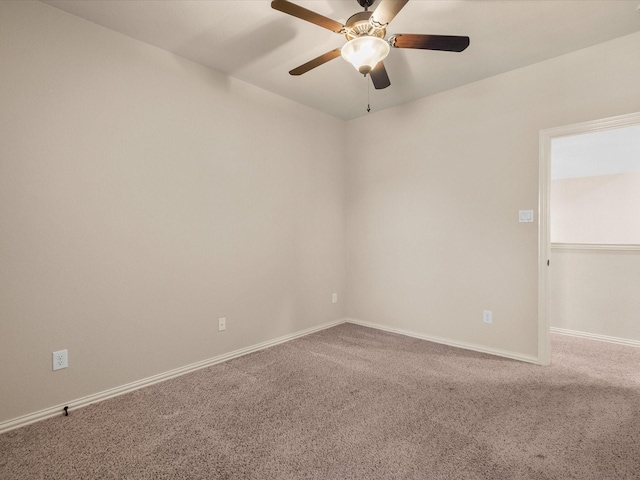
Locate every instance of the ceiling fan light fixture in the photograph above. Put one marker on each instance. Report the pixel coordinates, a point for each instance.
(365, 52)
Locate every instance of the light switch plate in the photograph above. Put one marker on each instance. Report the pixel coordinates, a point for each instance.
(526, 216)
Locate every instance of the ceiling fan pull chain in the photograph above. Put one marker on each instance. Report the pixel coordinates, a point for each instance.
(368, 94)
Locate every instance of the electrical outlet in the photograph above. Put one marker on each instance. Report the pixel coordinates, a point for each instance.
(60, 359)
(334, 298)
(487, 316)
(222, 324)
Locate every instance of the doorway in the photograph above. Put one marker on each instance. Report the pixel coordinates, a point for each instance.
(579, 232)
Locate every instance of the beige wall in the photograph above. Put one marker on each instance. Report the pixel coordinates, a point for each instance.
(433, 196)
(143, 196)
(600, 209)
(596, 292)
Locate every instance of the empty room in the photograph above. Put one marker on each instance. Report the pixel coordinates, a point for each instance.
(318, 239)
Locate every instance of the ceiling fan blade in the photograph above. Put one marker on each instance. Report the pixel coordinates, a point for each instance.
(386, 11)
(316, 62)
(304, 14)
(379, 77)
(448, 43)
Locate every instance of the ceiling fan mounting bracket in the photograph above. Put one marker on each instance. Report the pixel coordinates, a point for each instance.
(375, 24)
(365, 3)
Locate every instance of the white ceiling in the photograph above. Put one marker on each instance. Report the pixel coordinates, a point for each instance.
(248, 40)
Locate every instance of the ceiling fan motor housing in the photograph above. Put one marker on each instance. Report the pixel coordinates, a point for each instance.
(359, 25)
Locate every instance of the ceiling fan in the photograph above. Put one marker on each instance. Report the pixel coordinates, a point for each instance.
(365, 31)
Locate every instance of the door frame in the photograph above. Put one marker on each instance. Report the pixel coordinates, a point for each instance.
(544, 215)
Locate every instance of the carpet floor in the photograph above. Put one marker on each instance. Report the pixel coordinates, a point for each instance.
(356, 403)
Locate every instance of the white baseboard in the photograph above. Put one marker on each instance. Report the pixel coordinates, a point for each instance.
(451, 343)
(595, 336)
(130, 387)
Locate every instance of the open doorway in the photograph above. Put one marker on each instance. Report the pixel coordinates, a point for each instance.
(589, 232)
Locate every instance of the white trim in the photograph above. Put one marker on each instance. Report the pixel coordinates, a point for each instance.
(595, 246)
(145, 382)
(609, 123)
(130, 387)
(544, 250)
(596, 336)
(446, 341)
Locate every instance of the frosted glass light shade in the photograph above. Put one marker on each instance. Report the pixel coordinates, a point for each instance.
(364, 53)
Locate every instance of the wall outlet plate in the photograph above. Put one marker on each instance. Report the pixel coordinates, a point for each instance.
(222, 324)
(487, 316)
(334, 298)
(60, 359)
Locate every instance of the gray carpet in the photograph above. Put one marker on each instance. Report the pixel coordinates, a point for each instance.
(356, 403)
